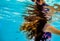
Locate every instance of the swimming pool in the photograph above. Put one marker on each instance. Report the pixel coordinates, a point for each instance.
(11, 12)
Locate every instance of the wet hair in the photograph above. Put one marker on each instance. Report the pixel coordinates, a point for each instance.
(41, 23)
(38, 0)
(36, 29)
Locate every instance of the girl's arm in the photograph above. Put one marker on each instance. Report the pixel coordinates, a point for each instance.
(52, 30)
(52, 9)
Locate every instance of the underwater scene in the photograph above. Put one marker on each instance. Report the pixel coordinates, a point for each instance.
(11, 18)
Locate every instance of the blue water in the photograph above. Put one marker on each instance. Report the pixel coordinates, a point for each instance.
(11, 12)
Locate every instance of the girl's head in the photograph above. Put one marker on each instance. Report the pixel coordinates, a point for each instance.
(39, 1)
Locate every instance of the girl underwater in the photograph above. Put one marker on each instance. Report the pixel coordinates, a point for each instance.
(36, 24)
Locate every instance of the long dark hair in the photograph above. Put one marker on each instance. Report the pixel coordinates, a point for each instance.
(42, 22)
(35, 30)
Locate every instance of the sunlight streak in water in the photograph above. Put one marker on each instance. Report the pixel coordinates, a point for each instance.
(21, 0)
(16, 13)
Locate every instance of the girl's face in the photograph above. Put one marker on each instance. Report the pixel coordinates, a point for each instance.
(41, 1)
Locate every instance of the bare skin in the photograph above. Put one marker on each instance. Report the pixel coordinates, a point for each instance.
(52, 30)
